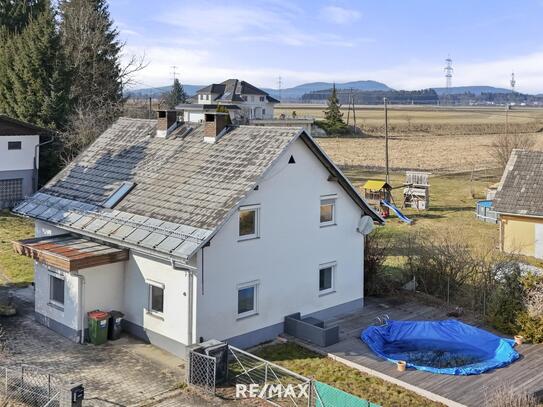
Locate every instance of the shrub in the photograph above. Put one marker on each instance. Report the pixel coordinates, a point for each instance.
(506, 302)
(506, 396)
(376, 280)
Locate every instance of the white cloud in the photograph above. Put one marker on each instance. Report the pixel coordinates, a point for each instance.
(340, 15)
(273, 21)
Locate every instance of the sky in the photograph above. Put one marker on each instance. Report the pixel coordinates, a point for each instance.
(402, 43)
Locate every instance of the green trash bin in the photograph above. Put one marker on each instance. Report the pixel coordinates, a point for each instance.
(98, 322)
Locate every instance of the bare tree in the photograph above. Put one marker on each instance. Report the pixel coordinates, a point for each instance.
(504, 144)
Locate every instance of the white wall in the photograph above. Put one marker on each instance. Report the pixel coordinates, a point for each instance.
(69, 315)
(285, 259)
(103, 288)
(22, 159)
(174, 323)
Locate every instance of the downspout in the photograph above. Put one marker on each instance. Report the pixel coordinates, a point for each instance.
(190, 299)
(35, 167)
(81, 307)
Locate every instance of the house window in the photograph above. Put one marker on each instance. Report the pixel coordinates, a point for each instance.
(14, 145)
(56, 289)
(263, 112)
(247, 299)
(249, 222)
(326, 278)
(156, 298)
(244, 97)
(328, 210)
(262, 98)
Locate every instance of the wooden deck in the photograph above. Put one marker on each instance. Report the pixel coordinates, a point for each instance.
(524, 374)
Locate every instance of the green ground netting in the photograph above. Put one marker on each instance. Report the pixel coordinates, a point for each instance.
(329, 396)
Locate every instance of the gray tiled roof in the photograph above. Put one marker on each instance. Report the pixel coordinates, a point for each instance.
(521, 187)
(231, 90)
(184, 188)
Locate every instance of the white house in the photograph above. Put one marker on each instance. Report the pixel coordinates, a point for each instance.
(243, 100)
(19, 160)
(197, 232)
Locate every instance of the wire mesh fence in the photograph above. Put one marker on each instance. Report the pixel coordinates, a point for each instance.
(29, 386)
(255, 377)
(202, 371)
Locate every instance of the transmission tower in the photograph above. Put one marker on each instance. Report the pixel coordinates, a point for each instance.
(513, 82)
(448, 73)
(279, 84)
(174, 71)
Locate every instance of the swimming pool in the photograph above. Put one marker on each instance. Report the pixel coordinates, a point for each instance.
(444, 347)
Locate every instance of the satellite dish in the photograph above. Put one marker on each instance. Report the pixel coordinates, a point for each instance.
(365, 225)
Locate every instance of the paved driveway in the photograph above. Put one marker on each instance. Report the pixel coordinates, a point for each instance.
(125, 372)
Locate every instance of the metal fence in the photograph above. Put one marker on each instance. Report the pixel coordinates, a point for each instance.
(249, 376)
(202, 371)
(272, 383)
(29, 386)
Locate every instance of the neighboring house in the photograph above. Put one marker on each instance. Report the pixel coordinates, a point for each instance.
(519, 204)
(243, 100)
(19, 160)
(197, 232)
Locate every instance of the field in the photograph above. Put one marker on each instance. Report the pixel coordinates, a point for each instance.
(436, 139)
(14, 269)
(452, 206)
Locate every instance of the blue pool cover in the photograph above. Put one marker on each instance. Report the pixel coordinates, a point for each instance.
(445, 347)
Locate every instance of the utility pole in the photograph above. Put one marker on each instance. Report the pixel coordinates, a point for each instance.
(506, 121)
(150, 106)
(385, 101)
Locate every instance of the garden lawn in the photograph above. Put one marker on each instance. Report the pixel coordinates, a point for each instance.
(326, 370)
(14, 268)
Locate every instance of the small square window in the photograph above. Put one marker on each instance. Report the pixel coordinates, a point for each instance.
(248, 222)
(247, 299)
(156, 298)
(14, 145)
(328, 211)
(56, 290)
(262, 98)
(326, 278)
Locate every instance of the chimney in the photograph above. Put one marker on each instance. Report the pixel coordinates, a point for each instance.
(215, 125)
(166, 122)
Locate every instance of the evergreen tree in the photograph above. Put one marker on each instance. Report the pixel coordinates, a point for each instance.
(333, 114)
(33, 80)
(333, 122)
(92, 48)
(16, 14)
(176, 96)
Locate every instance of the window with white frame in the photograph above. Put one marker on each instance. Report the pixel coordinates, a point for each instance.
(247, 299)
(249, 222)
(327, 278)
(328, 210)
(156, 297)
(56, 289)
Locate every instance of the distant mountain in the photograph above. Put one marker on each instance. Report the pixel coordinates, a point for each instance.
(297, 91)
(157, 92)
(477, 90)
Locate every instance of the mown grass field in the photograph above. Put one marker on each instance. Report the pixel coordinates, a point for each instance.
(452, 206)
(14, 269)
(321, 368)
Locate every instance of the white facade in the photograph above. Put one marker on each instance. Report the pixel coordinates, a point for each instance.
(282, 261)
(18, 159)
